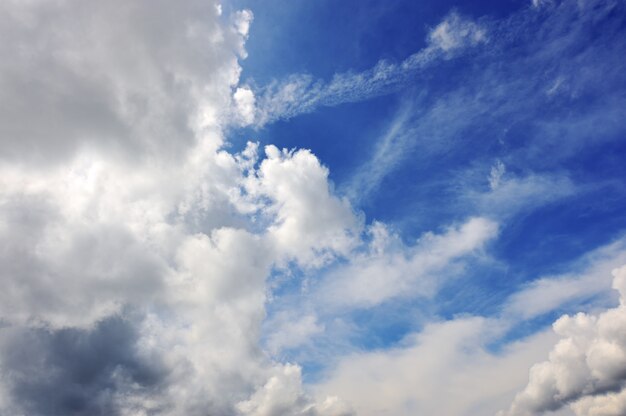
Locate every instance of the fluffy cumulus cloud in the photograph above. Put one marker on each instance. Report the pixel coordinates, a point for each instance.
(67, 83)
(311, 224)
(586, 368)
(134, 249)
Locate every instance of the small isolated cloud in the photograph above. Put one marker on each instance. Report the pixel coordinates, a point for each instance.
(586, 368)
(456, 32)
(496, 174)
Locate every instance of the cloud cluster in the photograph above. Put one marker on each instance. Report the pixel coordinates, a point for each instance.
(134, 249)
(586, 368)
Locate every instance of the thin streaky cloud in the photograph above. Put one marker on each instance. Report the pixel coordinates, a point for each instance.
(302, 93)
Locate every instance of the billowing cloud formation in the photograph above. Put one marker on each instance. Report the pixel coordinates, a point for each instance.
(134, 250)
(134, 79)
(586, 368)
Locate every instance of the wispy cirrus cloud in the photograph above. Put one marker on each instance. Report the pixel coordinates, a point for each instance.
(302, 93)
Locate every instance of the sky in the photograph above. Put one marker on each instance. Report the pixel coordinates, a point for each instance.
(313, 208)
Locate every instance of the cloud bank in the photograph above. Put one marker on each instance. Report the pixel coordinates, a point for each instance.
(134, 249)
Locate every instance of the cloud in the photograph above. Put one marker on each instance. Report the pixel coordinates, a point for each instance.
(445, 360)
(67, 84)
(490, 106)
(511, 194)
(550, 293)
(312, 225)
(456, 32)
(134, 249)
(390, 270)
(608, 404)
(588, 362)
(280, 396)
(244, 103)
(301, 93)
(496, 174)
(289, 332)
(386, 156)
(78, 371)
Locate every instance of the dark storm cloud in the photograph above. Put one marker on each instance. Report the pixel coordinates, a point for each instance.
(75, 371)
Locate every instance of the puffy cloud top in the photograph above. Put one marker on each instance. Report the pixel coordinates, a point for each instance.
(586, 368)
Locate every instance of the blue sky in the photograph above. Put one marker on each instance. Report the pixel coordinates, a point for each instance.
(314, 208)
(543, 97)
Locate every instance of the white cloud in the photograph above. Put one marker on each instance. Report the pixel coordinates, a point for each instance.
(301, 93)
(510, 194)
(244, 102)
(539, 3)
(496, 174)
(608, 404)
(388, 152)
(134, 249)
(66, 84)
(444, 370)
(391, 271)
(281, 396)
(242, 20)
(312, 225)
(289, 332)
(456, 32)
(585, 367)
(550, 293)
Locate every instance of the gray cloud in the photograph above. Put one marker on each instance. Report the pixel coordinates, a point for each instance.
(121, 77)
(77, 371)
